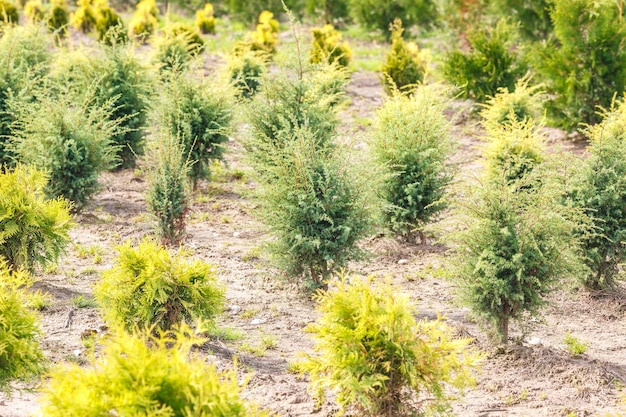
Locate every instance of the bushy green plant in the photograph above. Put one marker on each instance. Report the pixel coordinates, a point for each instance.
(332, 10)
(84, 17)
(517, 240)
(167, 195)
(329, 47)
(57, 17)
(144, 20)
(532, 16)
(378, 359)
(148, 287)
(412, 142)
(574, 346)
(110, 26)
(246, 71)
(199, 112)
(513, 151)
(146, 376)
(8, 12)
(24, 61)
(584, 66)
(33, 229)
(379, 14)
(507, 107)
(70, 138)
(172, 55)
(33, 10)
(405, 65)
(205, 21)
(313, 203)
(601, 188)
(265, 37)
(20, 354)
(249, 10)
(188, 33)
(491, 64)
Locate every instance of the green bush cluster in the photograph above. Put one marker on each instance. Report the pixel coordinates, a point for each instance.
(491, 64)
(508, 107)
(411, 142)
(246, 71)
(58, 17)
(21, 357)
(405, 65)
(377, 359)
(147, 376)
(110, 26)
(379, 14)
(205, 21)
(84, 17)
(167, 195)
(149, 288)
(145, 20)
(532, 17)
(332, 10)
(33, 229)
(329, 47)
(8, 13)
(601, 189)
(177, 47)
(265, 37)
(583, 66)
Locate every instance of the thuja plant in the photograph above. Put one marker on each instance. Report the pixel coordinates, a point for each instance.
(150, 288)
(34, 12)
(33, 229)
(205, 21)
(24, 62)
(507, 107)
(57, 18)
(379, 14)
(8, 13)
(583, 66)
(70, 138)
(21, 357)
(146, 375)
(516, 241)
(411, 142)
(533, 17)
(110, 26)
(314, 203)
(601, 189)
(246, 71)
(176, 47)
(329, 47)
(332, 10)
(378, 360)
(265, 37)
(145, 20)
(167, 190)
(492, 62)
(199, 112)
(84, 17)
(405, 65)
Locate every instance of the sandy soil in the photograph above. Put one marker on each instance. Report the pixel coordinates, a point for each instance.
(534, 376)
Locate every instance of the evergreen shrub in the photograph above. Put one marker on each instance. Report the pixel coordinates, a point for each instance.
(508, 107)
(57, 18)
(21, 357)
(246, 71)
(411, 141)
(532, 16)
(205, 21)
(33, 10)
(329, 47)
(492, 62)
(84, 17)
(585, 64)
(331, 10)
(265, 37)
(379, 14)
(146, 375)
(144, 21)
(8, 12)
(110, 26)
(405, 65)
(33, 229)
(149, 288)
(378, 360)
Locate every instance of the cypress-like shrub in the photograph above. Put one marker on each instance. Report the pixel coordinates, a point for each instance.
(8, 13)
(205, 21)
(57, 18)
(246, 71)
(148, 288)
(110, 26)
(33, 10)
(84, 17)
(144, 21)
(331, 10)
(532, 17)
(379, 14)
(329, 47)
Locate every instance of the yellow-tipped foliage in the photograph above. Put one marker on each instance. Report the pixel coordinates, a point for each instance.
(144, 20)
(84, 18)
(205, 21)
(329, 47)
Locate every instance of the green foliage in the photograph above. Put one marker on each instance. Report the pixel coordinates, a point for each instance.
(33, 229)
(601, 188)
(246, 71)
(84, 17)
(146, 376)
(57, 18)
(167, 191)
(328, 47)
(405, 65)
(147, 287)
(144, 20)
(265, 37)
(513, 151)
(33, 10)
(411, 141)
(205, 21)
(70, 138)
(584, 66)
(332, 10)
(574, 346)
(110, 26)
(379, 14)
(532, 16)
(8, 13)
(24, 61)
(492, 63)
(524, 103)
(248, 10)
(313, 202)
(517, 240)
(377, 359)
(188, 33)
(20, 354)
(199, 112)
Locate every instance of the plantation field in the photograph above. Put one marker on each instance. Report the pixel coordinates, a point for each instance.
(536, 376)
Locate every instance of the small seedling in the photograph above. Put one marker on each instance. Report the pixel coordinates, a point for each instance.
(226, 334)
(249, 313)
(574, 346)
(80, 301)
(269, 342)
